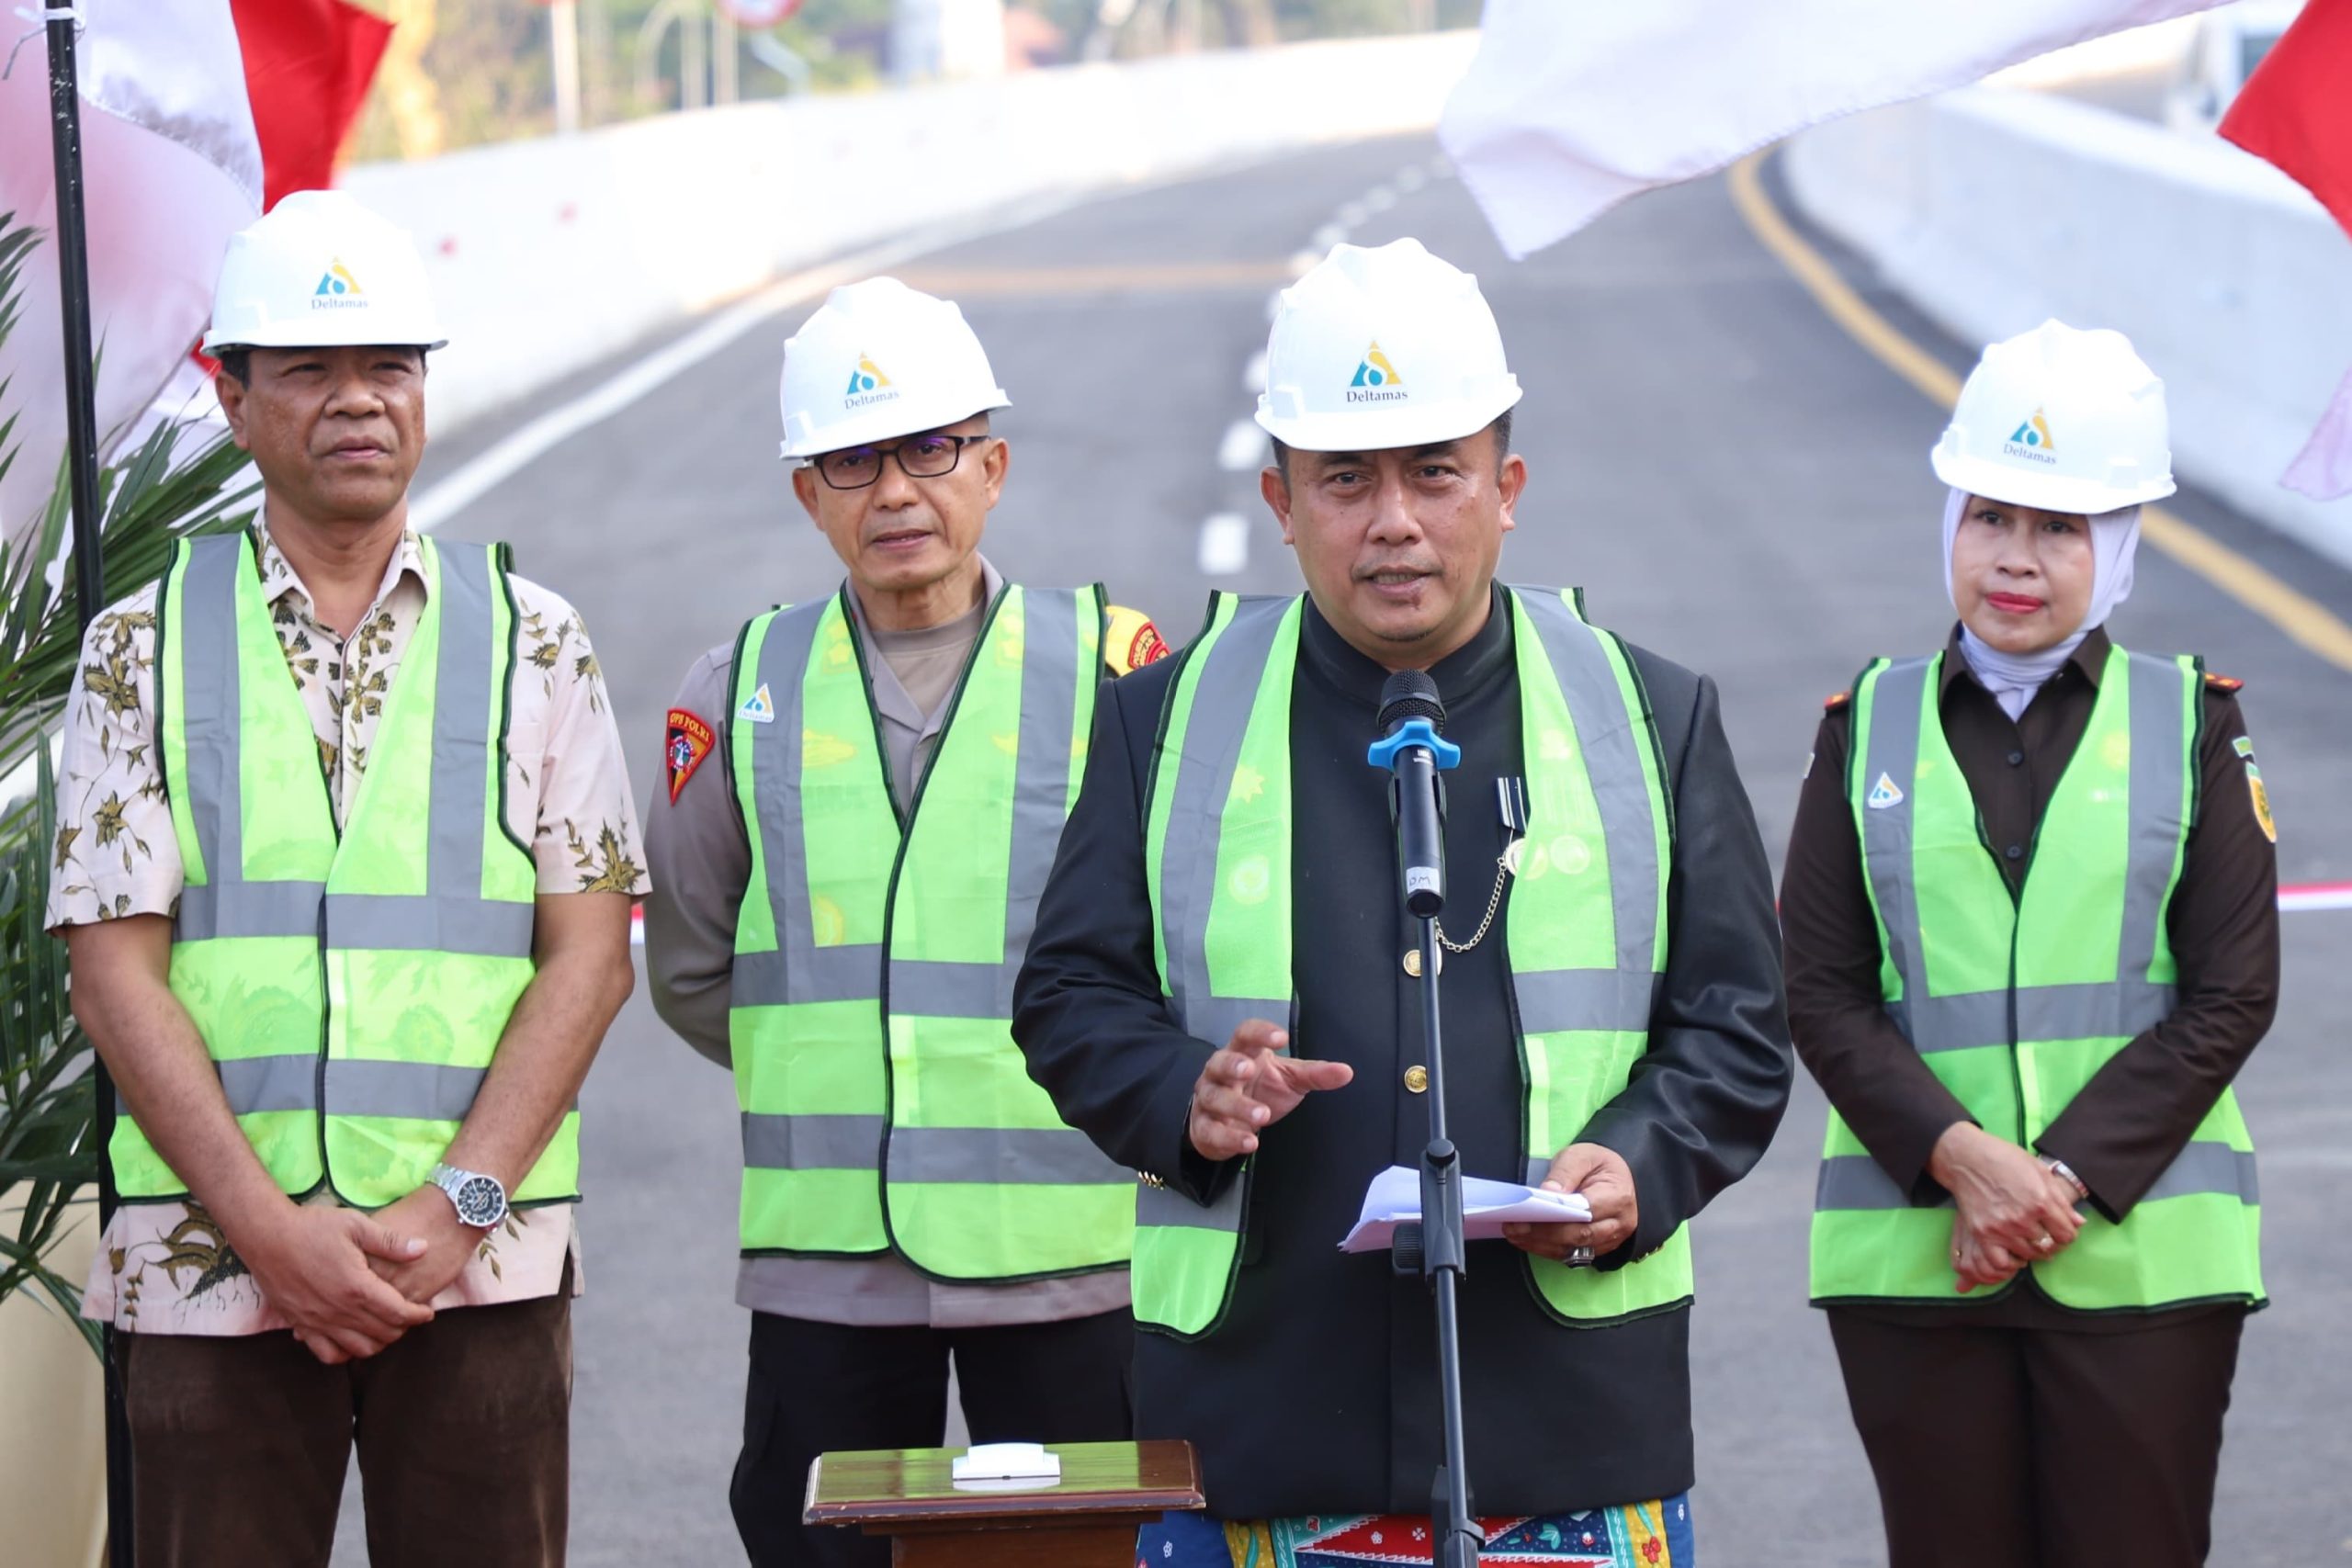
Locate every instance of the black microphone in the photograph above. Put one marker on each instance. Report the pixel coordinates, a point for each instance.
(1413, 748)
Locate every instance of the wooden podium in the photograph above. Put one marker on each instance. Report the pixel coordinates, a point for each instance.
(1087, 1519)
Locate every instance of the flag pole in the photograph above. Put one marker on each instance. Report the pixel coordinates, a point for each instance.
(89, 590)
(73, 292)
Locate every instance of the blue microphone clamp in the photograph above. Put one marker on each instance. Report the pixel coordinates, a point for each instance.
(1414, 732)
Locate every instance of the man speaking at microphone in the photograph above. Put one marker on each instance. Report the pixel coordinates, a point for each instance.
(1222, 988)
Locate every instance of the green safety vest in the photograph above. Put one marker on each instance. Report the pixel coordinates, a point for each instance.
(885, 1105)
(1586, 926)
(351, 988)
(2016, 1000)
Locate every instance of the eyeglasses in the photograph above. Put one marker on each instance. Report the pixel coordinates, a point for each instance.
(918, 457)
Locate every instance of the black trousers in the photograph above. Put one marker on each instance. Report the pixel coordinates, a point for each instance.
(819, 1387)
(2034, 1447)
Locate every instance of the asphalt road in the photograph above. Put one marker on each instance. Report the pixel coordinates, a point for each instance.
(1738, 486)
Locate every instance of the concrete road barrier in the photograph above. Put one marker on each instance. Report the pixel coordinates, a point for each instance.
(1994, 208)
(548, 255)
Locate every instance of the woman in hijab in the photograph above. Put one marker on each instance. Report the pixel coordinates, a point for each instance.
(2032, 930)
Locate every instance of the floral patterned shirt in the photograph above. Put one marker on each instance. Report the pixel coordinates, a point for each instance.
(164, 1267)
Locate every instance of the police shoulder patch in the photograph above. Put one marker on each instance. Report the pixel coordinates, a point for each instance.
(686, 740)
(1130, 641)
(2261, 796)
(2224, 682)
(2243, 746)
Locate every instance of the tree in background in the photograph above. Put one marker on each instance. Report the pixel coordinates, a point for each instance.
(1104, 30)
(459, 73)
(844, 41)
(405, 107)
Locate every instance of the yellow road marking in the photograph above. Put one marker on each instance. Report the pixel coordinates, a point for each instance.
(2303, 619)
(1143, 278)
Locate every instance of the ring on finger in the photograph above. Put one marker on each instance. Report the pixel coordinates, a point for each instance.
(1578, 1258)
(2043, 1244)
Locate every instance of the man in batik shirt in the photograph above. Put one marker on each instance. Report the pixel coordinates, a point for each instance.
(344, 858)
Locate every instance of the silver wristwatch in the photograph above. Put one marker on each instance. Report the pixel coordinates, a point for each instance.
(480, 1200)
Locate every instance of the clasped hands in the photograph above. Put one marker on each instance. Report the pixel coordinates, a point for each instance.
(348, 1282)
(1249, 1084)
(2011, 1209)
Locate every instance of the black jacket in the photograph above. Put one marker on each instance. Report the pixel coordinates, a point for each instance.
(1318, 1392)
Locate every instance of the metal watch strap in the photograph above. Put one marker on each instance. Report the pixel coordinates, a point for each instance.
(452, 1179)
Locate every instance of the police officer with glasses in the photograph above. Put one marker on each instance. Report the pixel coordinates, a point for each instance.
(849, 891)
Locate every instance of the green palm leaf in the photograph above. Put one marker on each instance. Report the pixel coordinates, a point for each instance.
(171, 485)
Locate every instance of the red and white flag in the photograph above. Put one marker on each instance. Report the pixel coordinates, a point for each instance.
(172, 164)
(308, 63)
(1573, 106)
(2296, 112)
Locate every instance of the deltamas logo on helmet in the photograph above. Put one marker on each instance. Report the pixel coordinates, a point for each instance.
(868, 385)
(1377, 380)
(337, 289)
(2032, 440)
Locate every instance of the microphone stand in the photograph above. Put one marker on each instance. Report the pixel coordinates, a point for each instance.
(1435, 1247)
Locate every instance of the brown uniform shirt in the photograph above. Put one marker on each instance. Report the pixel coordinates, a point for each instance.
(2137, 1113)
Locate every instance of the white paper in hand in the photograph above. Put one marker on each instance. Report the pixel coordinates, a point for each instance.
(1395, 1197)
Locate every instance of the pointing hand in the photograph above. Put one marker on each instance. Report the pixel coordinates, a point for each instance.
(1248, 1086)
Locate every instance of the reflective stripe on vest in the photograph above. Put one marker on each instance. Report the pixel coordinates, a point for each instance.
(2015, 1002)
(1586, 922)
(884, 1104)
(351, 988)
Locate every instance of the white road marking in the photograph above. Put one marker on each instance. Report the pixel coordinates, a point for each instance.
(1243, 450)
(1351, 214)
(1303, 262)
(1253, 375)
(1330, 234)
(1379, 199)
(472, 480)
(1410, 178)
(1225, 544)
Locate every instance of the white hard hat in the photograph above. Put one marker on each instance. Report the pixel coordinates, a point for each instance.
(2061, 418)
(1383, 347)
(880, 359)
(321, 271)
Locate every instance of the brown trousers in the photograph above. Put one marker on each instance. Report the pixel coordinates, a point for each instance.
(463, 1427)
(2031, 1447)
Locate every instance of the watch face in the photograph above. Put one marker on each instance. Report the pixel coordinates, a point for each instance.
(480, 1201)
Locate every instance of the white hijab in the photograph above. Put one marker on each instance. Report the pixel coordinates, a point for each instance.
(2013, 678)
